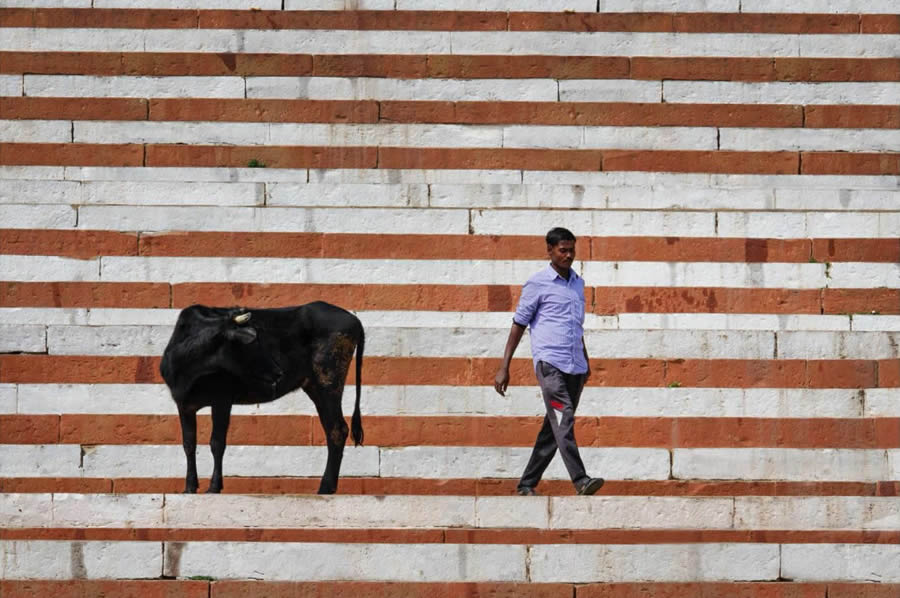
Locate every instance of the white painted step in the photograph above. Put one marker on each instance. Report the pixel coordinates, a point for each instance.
(440, 462)
(61, 510)
(442, 342)
(477, 401)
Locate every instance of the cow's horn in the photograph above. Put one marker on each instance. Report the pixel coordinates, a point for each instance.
(243, 318)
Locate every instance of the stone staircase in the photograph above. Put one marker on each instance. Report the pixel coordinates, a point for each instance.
(729, 166)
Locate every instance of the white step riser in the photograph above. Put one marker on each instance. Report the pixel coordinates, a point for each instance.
(433, 462)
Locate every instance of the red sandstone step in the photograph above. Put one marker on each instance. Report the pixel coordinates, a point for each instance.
(392, 431)
(445, 487)
(713, 161)
(452, 535)
(706, 373)
(443, 297)
(416, 66)
(86, 244)
(413, 111)
(468, 298)
(437, 20)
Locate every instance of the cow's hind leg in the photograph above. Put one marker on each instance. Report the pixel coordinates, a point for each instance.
(188, 417)
(328, 405)
(331, 362)
(221, 417)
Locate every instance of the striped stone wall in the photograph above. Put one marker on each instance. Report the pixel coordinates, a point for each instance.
(732, 171)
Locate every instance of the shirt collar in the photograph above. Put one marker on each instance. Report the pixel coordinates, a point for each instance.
(551, 274)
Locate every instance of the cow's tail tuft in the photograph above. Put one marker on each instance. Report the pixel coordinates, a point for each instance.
(356, 429)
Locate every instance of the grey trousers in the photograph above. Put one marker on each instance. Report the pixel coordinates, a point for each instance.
(561, 394)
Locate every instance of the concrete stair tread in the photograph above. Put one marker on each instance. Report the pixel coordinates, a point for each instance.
(742, 513)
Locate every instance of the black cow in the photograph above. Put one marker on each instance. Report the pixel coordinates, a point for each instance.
(218, 357)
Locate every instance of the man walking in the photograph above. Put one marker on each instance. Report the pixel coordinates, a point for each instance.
(552, 303)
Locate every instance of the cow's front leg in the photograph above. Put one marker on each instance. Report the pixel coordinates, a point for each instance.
(188, 417)
(336, 431)
(221, 416)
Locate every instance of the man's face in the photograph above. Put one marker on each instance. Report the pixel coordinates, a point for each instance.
(562, 255)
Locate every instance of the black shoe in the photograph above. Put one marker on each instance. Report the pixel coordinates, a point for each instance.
(590, 486)
(526, 491)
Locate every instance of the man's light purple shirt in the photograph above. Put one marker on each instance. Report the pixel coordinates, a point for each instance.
(554, 309)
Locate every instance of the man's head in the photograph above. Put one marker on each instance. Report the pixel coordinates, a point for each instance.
(561, 248)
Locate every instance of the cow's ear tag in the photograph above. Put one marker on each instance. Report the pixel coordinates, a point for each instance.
(244, 334)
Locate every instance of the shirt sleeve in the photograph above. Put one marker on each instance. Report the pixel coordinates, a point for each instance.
(528, 304)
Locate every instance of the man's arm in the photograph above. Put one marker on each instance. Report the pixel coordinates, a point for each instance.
(501, 380)
(586, 358)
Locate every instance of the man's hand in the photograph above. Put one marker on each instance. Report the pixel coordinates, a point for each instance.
(587, 360)
(501, 381)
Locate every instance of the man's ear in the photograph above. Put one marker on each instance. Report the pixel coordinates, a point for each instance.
(243, 334)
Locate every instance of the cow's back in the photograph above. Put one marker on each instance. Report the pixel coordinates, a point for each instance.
(289, 336)
(304, 322)
(295, 335)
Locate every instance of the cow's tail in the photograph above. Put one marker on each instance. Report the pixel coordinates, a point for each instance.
(356, 429)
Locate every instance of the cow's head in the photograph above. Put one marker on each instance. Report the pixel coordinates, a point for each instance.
(238, 328)
(244, 355)
(218, 345)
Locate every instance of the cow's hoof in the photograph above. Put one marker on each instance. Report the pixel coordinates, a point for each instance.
(190, 491)
(214, 490)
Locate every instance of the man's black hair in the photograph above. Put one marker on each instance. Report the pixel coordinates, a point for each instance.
(555, 235)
